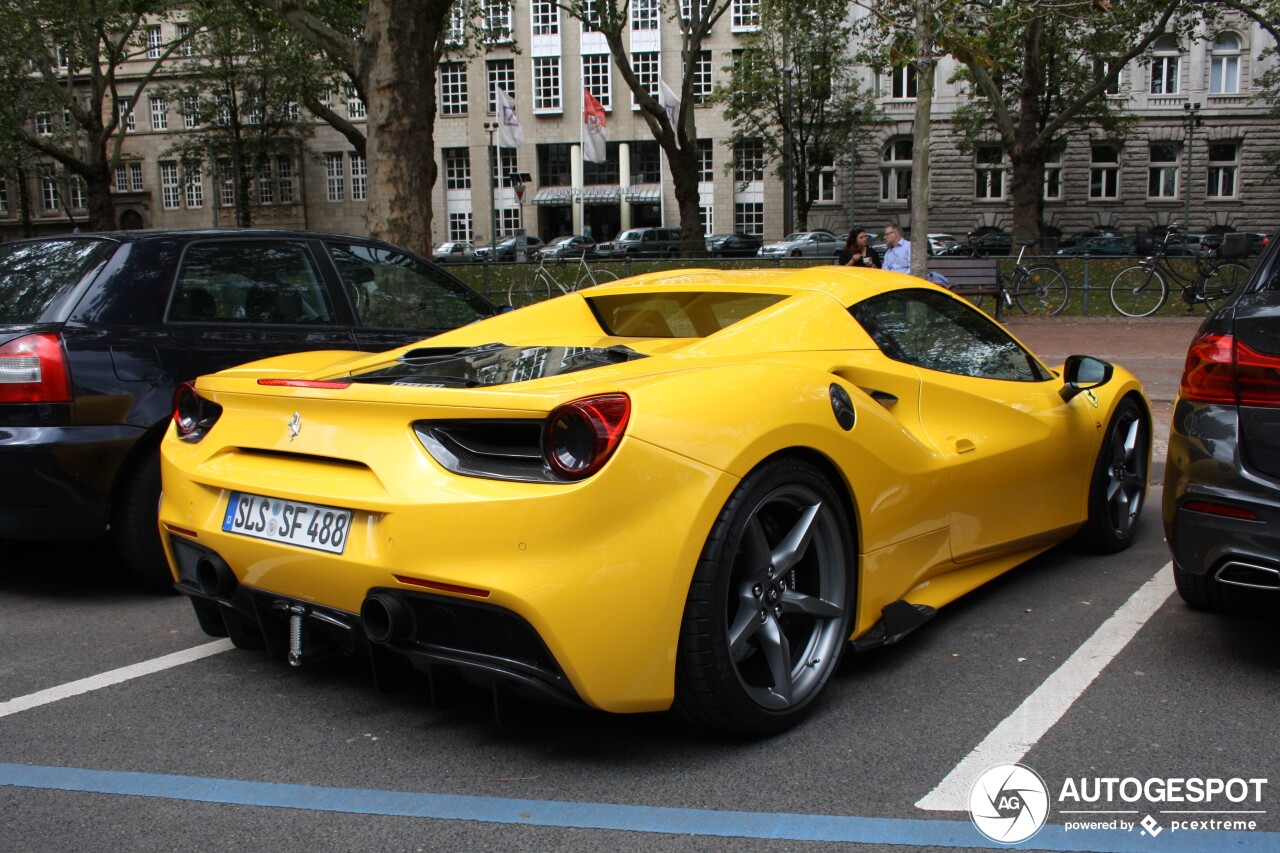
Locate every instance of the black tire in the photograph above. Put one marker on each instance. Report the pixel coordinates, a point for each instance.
(529, 289)
(1201, 592)
(1225, 279)
(1138, 292)
(593, 277)
(1041, 291)
(135, 530)
(777, 573)
(1118, 487)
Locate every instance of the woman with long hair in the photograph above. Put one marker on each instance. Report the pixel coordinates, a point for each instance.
(857, 251)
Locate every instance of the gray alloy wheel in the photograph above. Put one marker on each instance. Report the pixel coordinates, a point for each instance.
(1119, 484)
(770, 607)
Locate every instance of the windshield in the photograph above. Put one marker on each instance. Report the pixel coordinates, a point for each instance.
(34, 275)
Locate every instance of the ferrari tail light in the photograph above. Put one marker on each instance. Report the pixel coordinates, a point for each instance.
(579, 437)
(193, 416)
(1222, 369)
(33, 369)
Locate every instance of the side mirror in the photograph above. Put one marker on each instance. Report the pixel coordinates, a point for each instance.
(1082, 372)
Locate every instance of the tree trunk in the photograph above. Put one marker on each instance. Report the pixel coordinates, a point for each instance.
(920, 140)
(1026, 181)
(398, 70)
(97, 190)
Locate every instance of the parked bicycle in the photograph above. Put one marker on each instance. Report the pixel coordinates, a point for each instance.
(541, 281)
(1143, 289)
(1037, 288)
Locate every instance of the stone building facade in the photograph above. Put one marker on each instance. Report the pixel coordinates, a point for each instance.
(1215, 151)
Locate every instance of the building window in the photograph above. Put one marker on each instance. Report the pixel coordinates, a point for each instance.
(595, 77)
(1162, 174)
(1053, 175)
(44, 124)
(1104, 172)
(122, 178)
(188, 47)
(590, 16)
(903, 82)
(895, 171)
(702, 77)
(457, 168)
(746, 16)
(748, 161)
(453, 89)
(504, 165)
(546, 84)
(284, 178)
(359, 177)
(822, 186)
(355, 106)
(497, 20)
(509, 221)
(1166, 59)
(706, 165)
(266, 187)
(644, 14)
(77, 193)
(159, 114)
(706, 217)
(988, 172)
(49, 193)
(554, 169)
(460, 225)
(226, 186)
(154, 43)
(190, 111)
(545, 17)
(129, 177)
(645, 66)
(195, 187)
(499, 74)
(127, 119)
(169, 185)
(646, 162)
(748, 217)
(1224, 65)
(333, 177)
(1224, 163)
(4, 198)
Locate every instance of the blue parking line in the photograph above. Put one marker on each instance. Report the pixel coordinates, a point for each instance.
(607, 816)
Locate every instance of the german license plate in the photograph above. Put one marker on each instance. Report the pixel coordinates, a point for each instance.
(323, 528)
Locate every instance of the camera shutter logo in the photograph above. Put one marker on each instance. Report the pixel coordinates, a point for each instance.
(1009, 803)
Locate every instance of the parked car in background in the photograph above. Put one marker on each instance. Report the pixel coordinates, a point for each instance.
(1102, 246)
(643, 243)
(736, 245)
(570, 246)
(990, 241)
(454, 252)
(97, 330)
(940, 244)
(507, 249)
(1221, 504)
(1081, 236)
(804, 244)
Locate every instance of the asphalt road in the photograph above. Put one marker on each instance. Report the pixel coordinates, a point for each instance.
(1189, 696)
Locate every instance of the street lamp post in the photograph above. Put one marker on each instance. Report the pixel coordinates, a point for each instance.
(491, 127)
(1190, 121)
(854, 118)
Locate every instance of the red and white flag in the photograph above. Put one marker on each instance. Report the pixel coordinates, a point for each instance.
(593, 129)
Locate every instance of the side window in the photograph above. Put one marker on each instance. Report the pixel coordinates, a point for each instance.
(933, 331)
(250, 281)
(392, 290)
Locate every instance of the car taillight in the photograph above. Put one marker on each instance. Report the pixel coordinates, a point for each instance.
(579, 437)
(33, 369)
(193, 416)
(1222, 369)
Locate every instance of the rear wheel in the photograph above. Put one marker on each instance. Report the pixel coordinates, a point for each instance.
(592, 277)
(535, 287)
(1138, 291)
(770, 607)
(1041, 290)
(1119, 484)
(135, 529)
(1222, 281)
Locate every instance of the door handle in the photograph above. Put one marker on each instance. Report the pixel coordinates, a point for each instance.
(964, 445)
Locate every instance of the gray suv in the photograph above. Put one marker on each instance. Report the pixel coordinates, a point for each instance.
(644, 243)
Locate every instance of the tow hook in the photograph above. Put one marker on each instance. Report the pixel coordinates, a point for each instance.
(296, 612)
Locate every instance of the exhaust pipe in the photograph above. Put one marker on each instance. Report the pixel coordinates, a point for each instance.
(386, 618)
(1249, 575)
(214, 577)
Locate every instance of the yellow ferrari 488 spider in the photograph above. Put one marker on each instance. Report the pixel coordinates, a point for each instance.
(691, 490)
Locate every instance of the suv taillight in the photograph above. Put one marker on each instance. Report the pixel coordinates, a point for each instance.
(33, 369)
(1221, 369)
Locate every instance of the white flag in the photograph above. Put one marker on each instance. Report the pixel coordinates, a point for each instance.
(594, 141)
(670, 103)
(510, 134)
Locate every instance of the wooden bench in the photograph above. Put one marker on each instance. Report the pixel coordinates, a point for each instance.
(972, 277)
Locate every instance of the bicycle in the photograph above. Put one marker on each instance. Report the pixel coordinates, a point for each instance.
(1142, 289)
(1040, 289)
(537, 286)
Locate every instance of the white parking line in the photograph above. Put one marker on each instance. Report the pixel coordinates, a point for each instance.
(115, 676)
(1021, 730)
